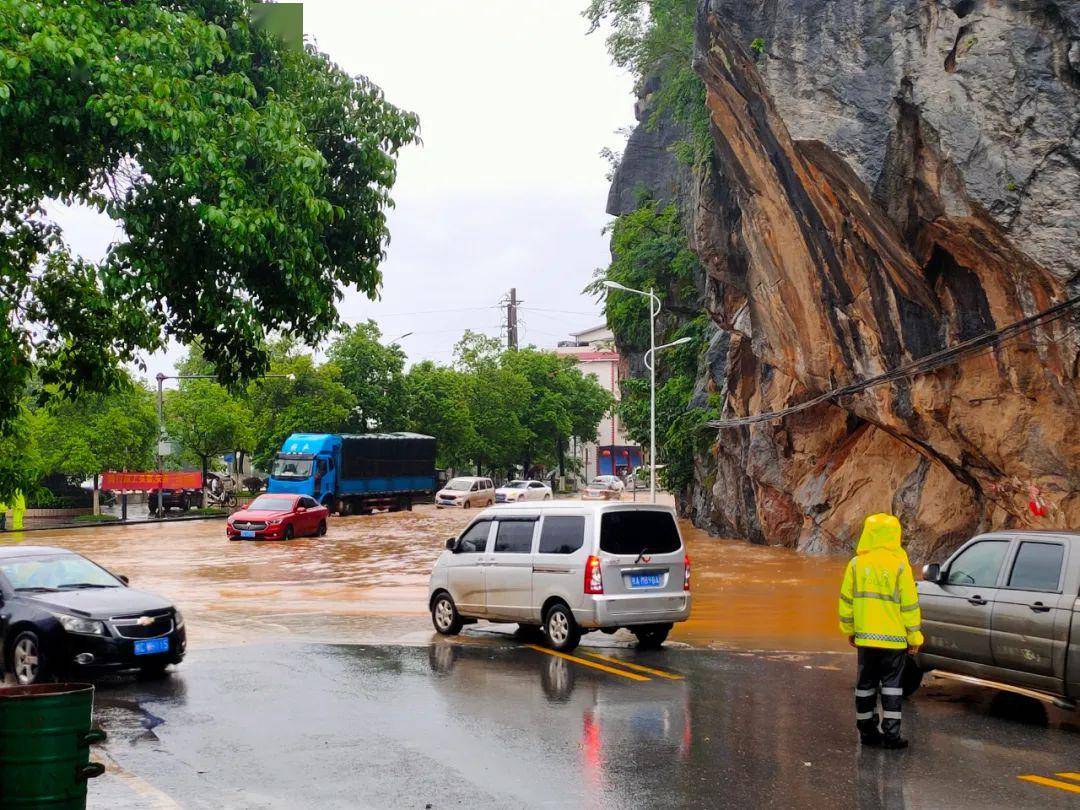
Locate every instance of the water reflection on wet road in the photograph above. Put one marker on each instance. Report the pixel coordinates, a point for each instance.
(366, 581)
(498, 724)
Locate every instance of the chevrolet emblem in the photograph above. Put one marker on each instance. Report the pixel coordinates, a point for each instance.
(145, 621)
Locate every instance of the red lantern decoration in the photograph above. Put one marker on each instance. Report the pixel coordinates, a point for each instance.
(605, 452)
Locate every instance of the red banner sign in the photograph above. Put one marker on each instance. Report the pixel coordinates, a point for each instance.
(151, 480)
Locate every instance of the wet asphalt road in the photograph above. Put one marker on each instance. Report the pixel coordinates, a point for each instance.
(491, 722)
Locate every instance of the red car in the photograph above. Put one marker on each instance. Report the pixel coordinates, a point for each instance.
(278, 517)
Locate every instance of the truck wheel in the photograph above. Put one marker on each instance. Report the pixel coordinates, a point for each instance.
(651, 636)
(346, 508)
(911, 680)
(563, 633)
(444, 615)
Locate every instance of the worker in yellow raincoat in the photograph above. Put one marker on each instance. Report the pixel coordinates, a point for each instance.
(879, 613)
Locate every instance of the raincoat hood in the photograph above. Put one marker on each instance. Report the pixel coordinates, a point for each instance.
(881, 531)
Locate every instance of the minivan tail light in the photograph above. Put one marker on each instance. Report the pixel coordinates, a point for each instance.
(686, 573)
(594, 580)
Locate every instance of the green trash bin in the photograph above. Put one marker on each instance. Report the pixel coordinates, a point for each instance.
(45, 738)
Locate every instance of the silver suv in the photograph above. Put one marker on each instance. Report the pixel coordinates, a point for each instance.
(566, 567)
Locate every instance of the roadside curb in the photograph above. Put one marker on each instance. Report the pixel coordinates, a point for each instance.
(111, 523)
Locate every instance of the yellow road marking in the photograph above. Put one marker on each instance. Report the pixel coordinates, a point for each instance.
(585, 662)
(1053, 783)
(659, 673)
(1074, 776)
(154, 797)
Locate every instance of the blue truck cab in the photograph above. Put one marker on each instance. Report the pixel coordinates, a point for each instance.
(356, 473)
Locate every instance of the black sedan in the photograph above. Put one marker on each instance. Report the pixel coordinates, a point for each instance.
(63, 615)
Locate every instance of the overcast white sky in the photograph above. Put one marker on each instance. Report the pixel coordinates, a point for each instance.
(508, 188)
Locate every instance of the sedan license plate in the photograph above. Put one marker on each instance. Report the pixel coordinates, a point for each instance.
(152, 645)
(247, 535)
(645, 580)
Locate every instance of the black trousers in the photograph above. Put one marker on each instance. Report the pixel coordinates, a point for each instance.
(880, 673)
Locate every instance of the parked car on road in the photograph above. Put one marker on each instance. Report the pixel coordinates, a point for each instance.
(182, 499)
(565, 568)
(278, 517)
(1004, 608)
(62, 615)
(603, 488)
(466, 492)
(514, 491)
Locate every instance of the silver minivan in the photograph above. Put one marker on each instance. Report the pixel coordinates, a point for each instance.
(565, 568)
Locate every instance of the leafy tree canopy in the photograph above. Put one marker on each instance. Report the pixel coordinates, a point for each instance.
(438, 400)
(81, 437)
(250, 182)
(207, 420)
(374, 374)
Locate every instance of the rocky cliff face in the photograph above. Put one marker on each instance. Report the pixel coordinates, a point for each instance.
(890, 179)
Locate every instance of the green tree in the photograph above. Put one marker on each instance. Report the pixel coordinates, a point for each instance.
(313, 401)
(95, 432)
(562, 404)
(498, 398)
(374, 374)
(476, 351)
(438, 400)
(207, 420)
(250, 182)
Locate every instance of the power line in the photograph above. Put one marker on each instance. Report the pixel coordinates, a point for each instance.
(969, 348)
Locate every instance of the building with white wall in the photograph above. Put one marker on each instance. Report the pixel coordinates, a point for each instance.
(613, 453)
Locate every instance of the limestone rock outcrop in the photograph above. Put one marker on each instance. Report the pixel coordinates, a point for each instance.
(889, 180)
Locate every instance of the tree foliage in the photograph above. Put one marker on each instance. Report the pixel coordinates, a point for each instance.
(374, 374)
(207, 420)
(313, 401)
(92, 433)
(654, 39)
(250, 183)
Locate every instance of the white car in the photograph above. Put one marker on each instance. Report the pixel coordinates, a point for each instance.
(616, 482)
(514, 491)
(568, 568)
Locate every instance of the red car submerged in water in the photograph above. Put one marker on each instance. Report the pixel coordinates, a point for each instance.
(278, 517)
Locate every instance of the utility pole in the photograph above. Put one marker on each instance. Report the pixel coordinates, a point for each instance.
(511, 320)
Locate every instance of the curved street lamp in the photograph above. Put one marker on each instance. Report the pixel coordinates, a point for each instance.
(654, 310)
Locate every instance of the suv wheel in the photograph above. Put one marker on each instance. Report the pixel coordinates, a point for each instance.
(28, 664)
(444, 615)
(651, 637)
(560, 628)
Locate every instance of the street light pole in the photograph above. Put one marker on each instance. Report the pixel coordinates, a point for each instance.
(650, 356)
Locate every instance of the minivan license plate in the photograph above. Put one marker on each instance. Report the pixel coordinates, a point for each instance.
(152, 645)
(645, 580)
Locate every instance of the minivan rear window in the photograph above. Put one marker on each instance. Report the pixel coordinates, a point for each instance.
(637, 531)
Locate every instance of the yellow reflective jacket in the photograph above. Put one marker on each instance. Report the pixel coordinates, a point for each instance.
(879, 604)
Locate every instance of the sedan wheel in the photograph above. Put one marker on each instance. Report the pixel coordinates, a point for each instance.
(27, 663)
(288, 533)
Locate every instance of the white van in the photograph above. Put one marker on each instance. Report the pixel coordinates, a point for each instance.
(566, 567)
(466, 492)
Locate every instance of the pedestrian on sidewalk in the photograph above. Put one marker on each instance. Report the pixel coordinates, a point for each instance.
(879, 613)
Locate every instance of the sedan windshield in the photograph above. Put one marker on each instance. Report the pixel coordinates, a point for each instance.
(268, 503)
(56, 572)
(460, 484)
(600, 483)
(291, 468)
(517, 485)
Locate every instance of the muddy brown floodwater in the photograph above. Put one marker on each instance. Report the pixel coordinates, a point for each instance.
(366, 581)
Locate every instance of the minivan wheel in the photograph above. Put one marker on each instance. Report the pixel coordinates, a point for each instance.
(563, 633)
(912, 677)
(651, 637)
(444, 615)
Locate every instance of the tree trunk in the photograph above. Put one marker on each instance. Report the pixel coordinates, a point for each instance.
(205, 468)
(562, 457)
(97, 498)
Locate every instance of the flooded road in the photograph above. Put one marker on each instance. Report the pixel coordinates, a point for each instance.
(366, 581)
